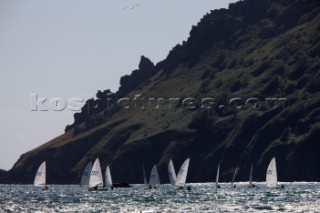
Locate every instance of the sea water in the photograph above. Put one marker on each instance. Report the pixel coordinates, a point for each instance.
(203, 197)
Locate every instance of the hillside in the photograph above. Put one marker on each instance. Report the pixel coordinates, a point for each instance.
(244, 87)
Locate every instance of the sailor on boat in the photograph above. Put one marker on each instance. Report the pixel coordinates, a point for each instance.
(152, 187)
(93, 188)
(97, 188)
(280, 187)
(184, 188)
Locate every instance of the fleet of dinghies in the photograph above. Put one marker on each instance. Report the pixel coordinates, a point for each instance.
(93, 179)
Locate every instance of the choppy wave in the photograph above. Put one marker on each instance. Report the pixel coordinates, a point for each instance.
(295, 197)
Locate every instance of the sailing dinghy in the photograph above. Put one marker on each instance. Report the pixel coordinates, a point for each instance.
(182, 175)
(271, 176)
(251, 177)
(154, 180)
(172, 173)
(40, 178)
(217, 177)
(96, 180)
(234, 177)
(86, 175)
(145, 182)
(108, 179)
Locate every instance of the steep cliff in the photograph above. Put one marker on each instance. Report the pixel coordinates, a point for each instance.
(244, 87)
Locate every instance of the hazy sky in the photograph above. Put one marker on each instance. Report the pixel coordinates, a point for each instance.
(72, 48)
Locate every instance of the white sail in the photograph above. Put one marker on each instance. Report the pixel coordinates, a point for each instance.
(154, 180)
(271, 177)
(234, 175)
(172, 173)
(251, 174)
(96, 175)
(182, 174)
(86, 175)
(108, 178)
(144, 176)
(217, 177)
(40, 178)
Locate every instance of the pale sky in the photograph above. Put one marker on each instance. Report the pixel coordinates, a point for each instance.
(72, 48)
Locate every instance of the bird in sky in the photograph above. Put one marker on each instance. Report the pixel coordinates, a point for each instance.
(131, 7)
